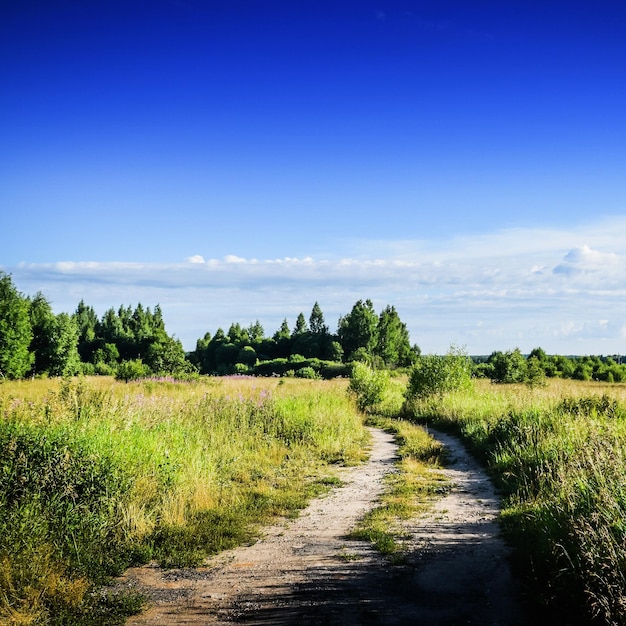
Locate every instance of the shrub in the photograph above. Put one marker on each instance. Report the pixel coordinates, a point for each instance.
(368, 385)
(306, 372)
(131, 370)
(435, 375)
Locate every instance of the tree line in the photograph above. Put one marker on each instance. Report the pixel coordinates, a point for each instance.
(309, 348)
(512, 366)
(131, 343)
(36, 342)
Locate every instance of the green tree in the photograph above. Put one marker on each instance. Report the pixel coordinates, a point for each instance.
(238, 335)
(256, 333)
(142, 329)
(539, 354)
(317, 325)
(87, 323)
(357, 331)
(335, 351)
(108, 354)
(15, 331)
(167, 356)
(198, 356)
(208, 364)
(65, 358)
(43, 324)
(247, 356)
(508, 367)
(393, 344)
(226, 356)
(282, 337)
(131, 370)
(300, 327)
(115, 328)
(535, 372)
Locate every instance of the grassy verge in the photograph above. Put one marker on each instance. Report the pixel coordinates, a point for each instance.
(409, 490)
(96, 475)
(559, 455)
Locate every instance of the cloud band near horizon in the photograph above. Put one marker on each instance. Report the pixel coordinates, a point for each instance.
(517, 288)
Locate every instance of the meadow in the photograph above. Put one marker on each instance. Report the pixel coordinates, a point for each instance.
(558, 453)
(97, 475)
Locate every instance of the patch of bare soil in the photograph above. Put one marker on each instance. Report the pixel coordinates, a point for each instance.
(307, 571)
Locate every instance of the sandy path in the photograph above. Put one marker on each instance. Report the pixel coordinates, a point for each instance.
(306, 571)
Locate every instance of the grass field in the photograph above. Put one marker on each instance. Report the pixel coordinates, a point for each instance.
(558, 453)
(96, 475)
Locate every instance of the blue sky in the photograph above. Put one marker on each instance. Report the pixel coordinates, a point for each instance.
(240, 160)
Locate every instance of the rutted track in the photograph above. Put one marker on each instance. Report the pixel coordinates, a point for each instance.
(307, 571)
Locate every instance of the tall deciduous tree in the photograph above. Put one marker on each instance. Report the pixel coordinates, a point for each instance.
(508, 367)
(357, 331)
(15, 331)
(43, 324)
(65, 359)
(393, 344)
(55, 340)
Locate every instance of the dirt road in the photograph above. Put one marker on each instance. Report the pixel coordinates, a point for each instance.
(305, 571)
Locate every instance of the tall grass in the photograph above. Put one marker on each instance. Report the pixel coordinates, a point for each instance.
(559, 455)
(96, 475)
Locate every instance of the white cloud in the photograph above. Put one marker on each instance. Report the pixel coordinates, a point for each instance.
(196, 258)
(583, 259)
(231, 258)
(511, 288)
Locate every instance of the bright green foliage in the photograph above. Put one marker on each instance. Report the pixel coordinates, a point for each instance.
(165, 355)
(535, 372)
(357, 331)
(138, 334)
(508, 367)
(131, 370)
(65, 357)
(55, 340)
(95, 477)
(256, 332)
(237, 334)
(393, 345)
(368, 385)
(306, 372)
(316, 321)
(436, 375)
(15, 331)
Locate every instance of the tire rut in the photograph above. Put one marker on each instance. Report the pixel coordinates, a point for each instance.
(307, 571)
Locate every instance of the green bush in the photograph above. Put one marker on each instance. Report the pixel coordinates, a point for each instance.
(131, 370)
(435, 375)
(307, 372)
(368, 385)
